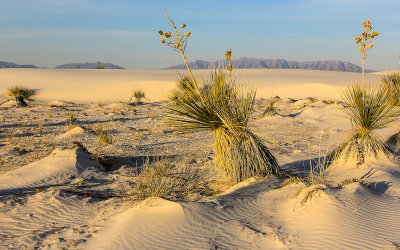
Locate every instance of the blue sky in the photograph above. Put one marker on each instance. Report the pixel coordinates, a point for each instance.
(124, 32)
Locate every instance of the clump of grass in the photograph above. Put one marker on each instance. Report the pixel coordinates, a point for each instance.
(270, 110)
(139, 95)
(392, 82)
(104, 134)
(368, 110)
(312, 99)
(222, 107)
(21, 94)
(329, 101)
(163, 179)
(354, 180)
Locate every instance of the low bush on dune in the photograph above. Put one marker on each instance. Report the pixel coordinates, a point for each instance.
(270, 110)
(21, 94)
(138, 95)
(220, 106)
(163, 179)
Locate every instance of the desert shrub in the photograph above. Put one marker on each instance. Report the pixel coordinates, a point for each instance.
(220, 106)
(368, 110)
(392, 82)
(311, 99)
(270, 109)
(22, 92)
(104, 134)
(101, 66)
(162, 179)
(139, 95)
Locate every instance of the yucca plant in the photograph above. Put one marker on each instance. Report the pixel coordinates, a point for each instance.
(369, 110)
(20, 94)
(218, 105)
(392, 82)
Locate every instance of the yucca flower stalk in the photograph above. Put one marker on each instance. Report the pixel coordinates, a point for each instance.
(364, 43)
(221, 107)
(368, 110)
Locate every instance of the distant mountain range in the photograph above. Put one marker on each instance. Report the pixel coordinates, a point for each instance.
(256, 63)
(87, 65)
(14, 65)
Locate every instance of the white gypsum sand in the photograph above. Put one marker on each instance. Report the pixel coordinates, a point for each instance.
(39, 164)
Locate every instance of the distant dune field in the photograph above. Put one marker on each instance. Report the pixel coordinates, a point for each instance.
(118, 85)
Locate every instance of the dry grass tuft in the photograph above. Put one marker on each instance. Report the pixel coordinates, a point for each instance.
(162, 179)
(138, 95)
(104, 133)
(270, 110)
(392, 82)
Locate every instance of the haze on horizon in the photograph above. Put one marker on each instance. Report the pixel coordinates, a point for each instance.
(47, 33)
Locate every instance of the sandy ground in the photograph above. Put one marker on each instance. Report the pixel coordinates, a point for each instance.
(40, 165)
(118, 85)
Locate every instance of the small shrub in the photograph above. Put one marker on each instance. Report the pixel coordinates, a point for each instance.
(139, 95)
(270, 109)
(353, 180)
(100, 67)
(104, 134)
(312, 99)
(21, 92)
(329, 101)
(162, 179)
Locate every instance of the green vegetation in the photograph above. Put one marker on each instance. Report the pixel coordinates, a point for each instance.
(21, 94)
(392, 82)
(220, 106)
(368, 111)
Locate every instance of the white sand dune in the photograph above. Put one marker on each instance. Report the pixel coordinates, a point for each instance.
(119, 85)
(255, 214)
(58, 167)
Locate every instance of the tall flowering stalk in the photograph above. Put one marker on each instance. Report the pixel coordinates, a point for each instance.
(364, 43)
(178, 41)
(222, 108)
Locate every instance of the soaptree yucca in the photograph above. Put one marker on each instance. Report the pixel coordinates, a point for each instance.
(220, 106)
(392, 82)
(20, 94)
(368, 110)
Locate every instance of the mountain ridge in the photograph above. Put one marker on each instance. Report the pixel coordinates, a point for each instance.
(257, 63)
(88, 65)
(14, 65)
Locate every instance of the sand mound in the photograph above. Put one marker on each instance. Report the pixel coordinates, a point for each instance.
(9, 104)
(74, 133)
(118, 106)
(60, 103)
(60, 166)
